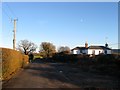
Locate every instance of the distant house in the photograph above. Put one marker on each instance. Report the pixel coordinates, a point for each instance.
(79, 50)
(96, 50)
(115, 51)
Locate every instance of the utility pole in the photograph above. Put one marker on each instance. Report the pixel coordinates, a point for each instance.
(14, 35)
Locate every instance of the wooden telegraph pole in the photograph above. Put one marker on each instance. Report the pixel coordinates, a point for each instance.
(14, 35)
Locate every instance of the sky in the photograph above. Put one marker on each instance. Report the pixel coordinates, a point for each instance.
(61, 23)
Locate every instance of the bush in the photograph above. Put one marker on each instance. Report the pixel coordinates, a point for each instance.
(25, 61)
(84, 60)
(107, 64)
(12, 60)
(105, 59)
(71, 58)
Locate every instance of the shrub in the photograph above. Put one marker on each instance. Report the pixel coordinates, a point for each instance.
(25, 61)
(105, 59)
(107, 64)
(12, 60)
(71, 58)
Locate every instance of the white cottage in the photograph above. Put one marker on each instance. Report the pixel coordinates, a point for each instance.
(79, 50)
(96, 50)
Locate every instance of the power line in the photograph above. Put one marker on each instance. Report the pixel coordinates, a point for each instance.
(6, 14)
(114, 44)
(10, 10)
(14, 15)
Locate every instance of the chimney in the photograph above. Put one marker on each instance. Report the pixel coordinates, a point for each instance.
(86, 45)
(106, 45)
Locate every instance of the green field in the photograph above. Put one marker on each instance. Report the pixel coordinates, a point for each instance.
(37, 56)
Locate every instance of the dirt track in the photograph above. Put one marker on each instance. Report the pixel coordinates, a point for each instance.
(54, 75)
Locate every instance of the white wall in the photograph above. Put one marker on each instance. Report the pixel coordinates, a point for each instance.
(109, 52)
(90, 51)
(76, 52)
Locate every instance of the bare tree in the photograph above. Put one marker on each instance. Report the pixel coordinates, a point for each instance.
(63, 49)
(26, 46)
(47, 48)
(67, 49)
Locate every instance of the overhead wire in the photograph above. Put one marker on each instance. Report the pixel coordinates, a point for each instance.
(6, 14)
(11, 15)
(10, 10)
(14, 15)
(114, 44)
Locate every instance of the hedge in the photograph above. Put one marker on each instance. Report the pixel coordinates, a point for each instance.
(70, 58)
(12, 61)
(86, 60)
(102, 64)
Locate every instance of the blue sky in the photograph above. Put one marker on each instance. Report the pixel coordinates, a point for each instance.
(61, 23)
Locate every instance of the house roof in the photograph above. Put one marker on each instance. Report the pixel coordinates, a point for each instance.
(90, 47)
(79, 48)
(99, 47)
